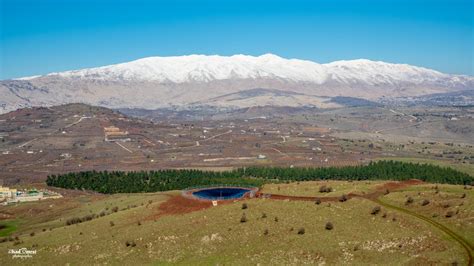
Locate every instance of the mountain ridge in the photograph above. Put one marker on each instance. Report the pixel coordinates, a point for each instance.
(167, 82)
(144, 68)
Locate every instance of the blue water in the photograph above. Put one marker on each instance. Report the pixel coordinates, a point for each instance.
(220, 193)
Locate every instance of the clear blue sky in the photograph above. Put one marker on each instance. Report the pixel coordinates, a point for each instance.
(42, 36)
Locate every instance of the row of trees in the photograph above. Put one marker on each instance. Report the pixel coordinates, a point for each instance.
(142, 181)
(162, 180)
(381, 170)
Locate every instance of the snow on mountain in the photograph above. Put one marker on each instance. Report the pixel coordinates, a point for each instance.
(202, 68)
(157, 82)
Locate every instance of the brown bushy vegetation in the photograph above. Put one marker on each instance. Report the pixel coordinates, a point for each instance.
(375, 210)
(343, 198)
(130, 243)
(425, 202)
(329, 226)
(325, 189)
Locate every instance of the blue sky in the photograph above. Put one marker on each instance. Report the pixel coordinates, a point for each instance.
(42, 36)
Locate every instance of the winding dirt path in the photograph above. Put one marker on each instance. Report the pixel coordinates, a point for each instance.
(178, 204)
(375, 197)
(468, 247)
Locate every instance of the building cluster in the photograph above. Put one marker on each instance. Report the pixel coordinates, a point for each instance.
(11, 195)
(113, 133)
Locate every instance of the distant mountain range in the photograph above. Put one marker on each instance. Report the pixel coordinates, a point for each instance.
(230, 82)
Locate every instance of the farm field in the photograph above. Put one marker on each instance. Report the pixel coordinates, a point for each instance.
(163, 228)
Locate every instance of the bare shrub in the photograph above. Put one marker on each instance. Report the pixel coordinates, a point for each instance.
(75, 220)
(318, 201)
(425, 202)
(343, 198)
(244, 206)
(130, 243)
(328, 226)
(112, 223)
(265, 232)
(449, 214)
(375, 210)
(87, 217)
(301, 231)
(325, 189)
(115, 209)
(409, 201)
(243, 219)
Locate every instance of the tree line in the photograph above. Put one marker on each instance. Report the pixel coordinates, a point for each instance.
(176, 179)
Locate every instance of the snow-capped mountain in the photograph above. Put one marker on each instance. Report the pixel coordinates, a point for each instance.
(181, 81)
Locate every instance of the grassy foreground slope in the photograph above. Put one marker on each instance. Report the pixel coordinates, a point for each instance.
(140, 233)
(450, 205)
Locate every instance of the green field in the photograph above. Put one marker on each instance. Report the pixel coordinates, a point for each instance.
(7, 227)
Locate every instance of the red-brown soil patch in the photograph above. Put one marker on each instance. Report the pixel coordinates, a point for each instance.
(180, 205)
(391, 186)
